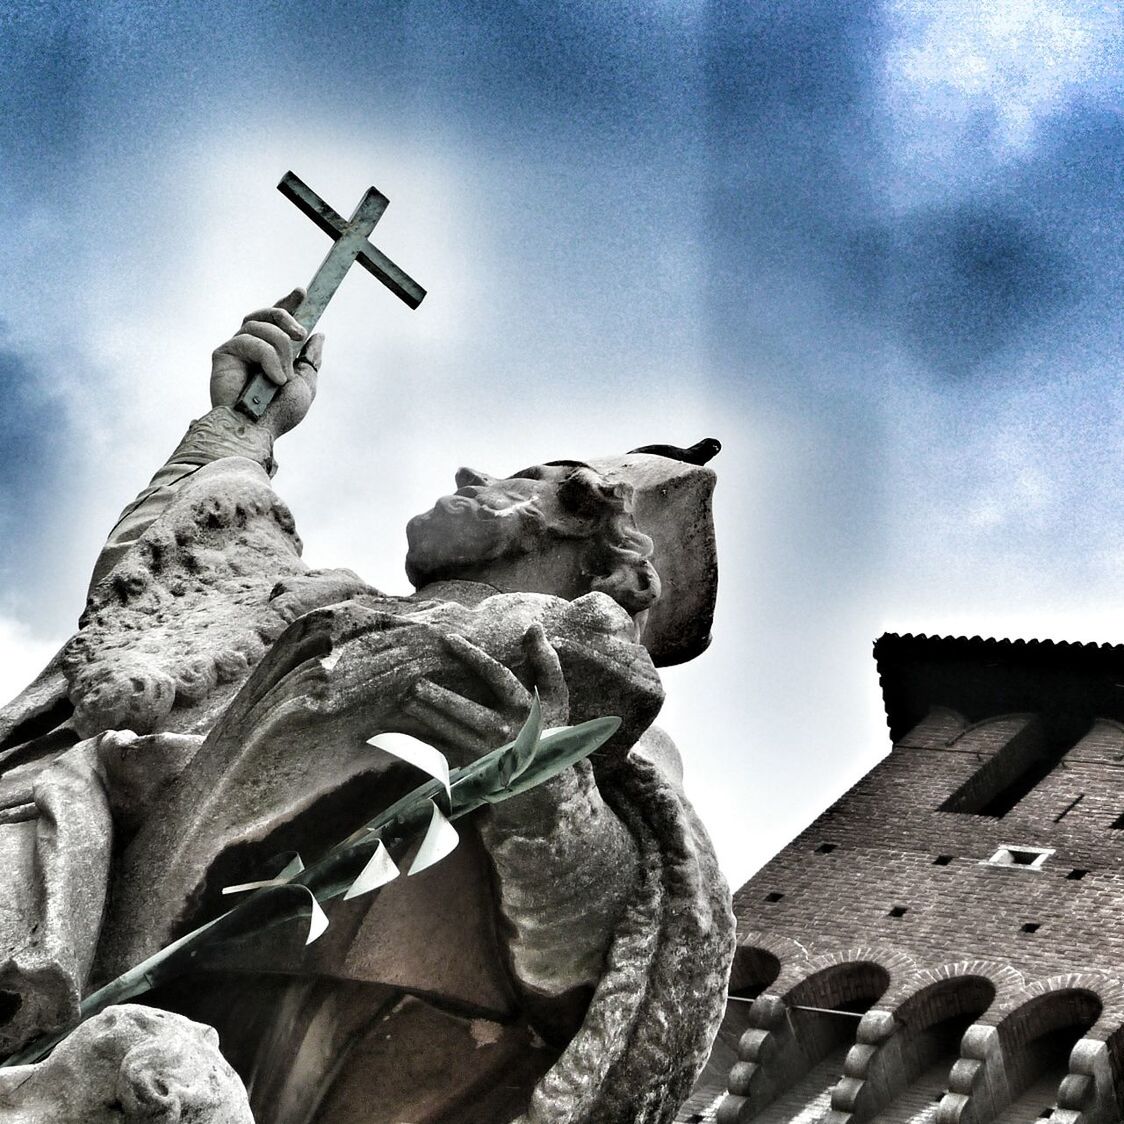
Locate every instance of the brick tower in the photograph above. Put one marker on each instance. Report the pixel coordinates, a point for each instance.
(945, 944)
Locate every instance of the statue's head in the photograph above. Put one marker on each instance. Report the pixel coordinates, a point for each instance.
(129, 1063)
(636, 527)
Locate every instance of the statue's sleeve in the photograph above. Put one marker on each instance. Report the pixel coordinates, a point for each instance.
(222, 433)
(565, 866)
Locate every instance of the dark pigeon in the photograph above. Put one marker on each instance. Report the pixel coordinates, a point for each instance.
(699, 453)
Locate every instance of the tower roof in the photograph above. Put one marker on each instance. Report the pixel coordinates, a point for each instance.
(1067, 684)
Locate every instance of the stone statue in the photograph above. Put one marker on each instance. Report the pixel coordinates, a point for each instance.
(567, 963)
(129, 1063)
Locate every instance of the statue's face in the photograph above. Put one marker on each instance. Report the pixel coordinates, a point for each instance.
(486, 518)
(136, 1063)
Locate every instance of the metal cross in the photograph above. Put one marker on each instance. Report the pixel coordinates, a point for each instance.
(350, 245)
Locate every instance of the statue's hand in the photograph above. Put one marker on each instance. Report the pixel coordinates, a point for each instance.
(264, 342)
(460, 721)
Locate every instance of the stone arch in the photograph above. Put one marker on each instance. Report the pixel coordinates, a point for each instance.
(937, 730)
(902, 999)
(796, 975)
(1014, 719)
(1012, 749)
(1102, 724)
(1044, 1043)
(800, 1031)
(755, 968)
(1019, 1006)
(907, 1046)
(1048, 1004)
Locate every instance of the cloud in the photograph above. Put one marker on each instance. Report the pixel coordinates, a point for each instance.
(22, 456)
(638, 223)
(871, 205)
(961, 283)
(22, 656)
(969, 86)
(32, 429)
(44, 471)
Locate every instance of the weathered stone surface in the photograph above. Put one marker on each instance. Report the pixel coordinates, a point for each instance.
(55, 855)
(638, 1051)
(424, 1054)
(130, 1063)
(133, 664)
(138, 769)
(335, 678)
(671, 504)
(422, 934)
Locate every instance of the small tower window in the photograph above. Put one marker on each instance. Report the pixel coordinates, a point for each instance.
(942, 860)
(898, 911)
(1029, 858)
(773, 896)
(825, 848)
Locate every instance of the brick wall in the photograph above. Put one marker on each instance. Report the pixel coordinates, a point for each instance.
(886, 847)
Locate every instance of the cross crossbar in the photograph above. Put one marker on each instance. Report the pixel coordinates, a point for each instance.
(333, 224)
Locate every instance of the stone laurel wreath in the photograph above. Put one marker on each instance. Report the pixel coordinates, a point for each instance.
(361, 863)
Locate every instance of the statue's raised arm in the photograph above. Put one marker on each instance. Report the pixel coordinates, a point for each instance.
(262, 346)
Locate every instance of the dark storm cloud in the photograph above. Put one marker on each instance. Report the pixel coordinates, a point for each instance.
(789, 148)
(41, 118)
(773, 68)
(1075, 189)
(520, 72)
(1035, 250)
(958, 284)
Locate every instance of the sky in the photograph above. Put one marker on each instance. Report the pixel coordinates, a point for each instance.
(874, 247)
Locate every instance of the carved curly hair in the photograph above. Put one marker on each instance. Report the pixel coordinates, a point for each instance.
(617, 557)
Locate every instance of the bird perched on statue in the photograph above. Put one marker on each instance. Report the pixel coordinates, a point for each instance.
(699, 453)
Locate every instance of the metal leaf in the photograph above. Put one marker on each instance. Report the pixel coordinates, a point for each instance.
(557, 750)
(414, 752)
(380, 870)
(278, 901)
(522, 750)
(318, 922)
(292, 868)
(441, 839)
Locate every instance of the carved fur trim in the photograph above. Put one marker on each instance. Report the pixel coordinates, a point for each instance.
(657, 1008)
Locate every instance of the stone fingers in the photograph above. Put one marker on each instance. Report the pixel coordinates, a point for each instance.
(454, 719)
(511, 694)
(291, 301)
(311, 354)
(250, 349)
(277, 338)
(278, 316)
(554, 695)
